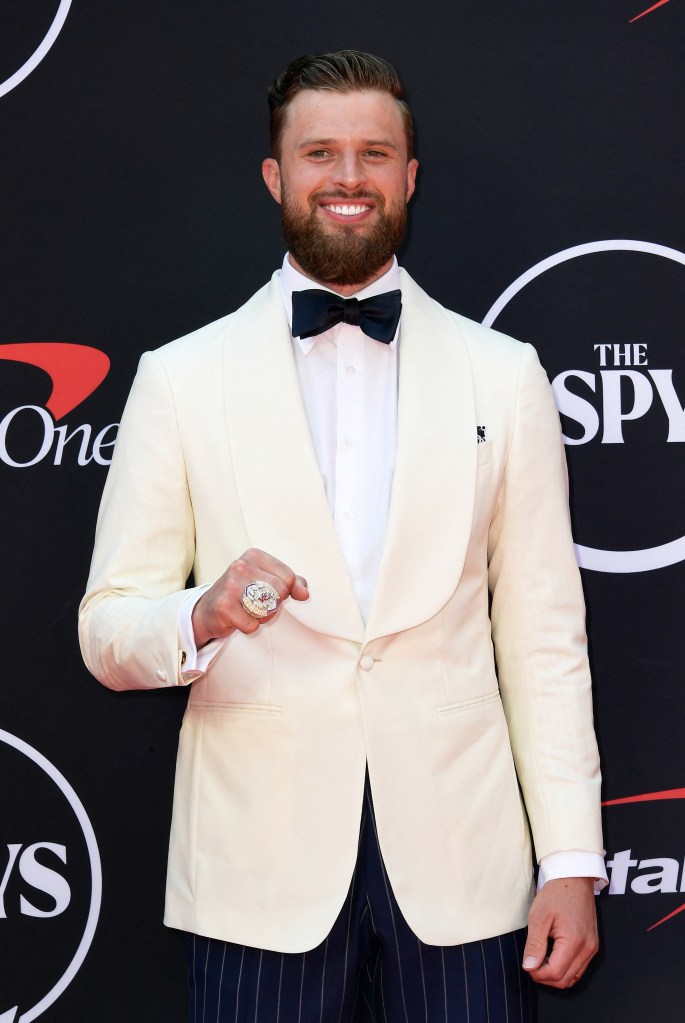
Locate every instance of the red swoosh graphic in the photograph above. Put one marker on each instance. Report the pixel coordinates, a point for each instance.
(648, 11)
(665, 918)
(75, 370)
(649, 797)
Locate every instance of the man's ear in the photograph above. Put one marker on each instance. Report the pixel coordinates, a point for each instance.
(271, 173)
(412, 168)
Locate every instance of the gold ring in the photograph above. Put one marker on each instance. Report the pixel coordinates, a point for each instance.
(260, 599)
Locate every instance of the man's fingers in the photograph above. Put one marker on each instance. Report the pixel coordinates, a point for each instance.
(300, 590)
(258, 565)
(565, 964)
(559, 968)
(220, 610)
(561, 974)
(271, 570)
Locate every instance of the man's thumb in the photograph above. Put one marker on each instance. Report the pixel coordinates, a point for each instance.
(534, 952)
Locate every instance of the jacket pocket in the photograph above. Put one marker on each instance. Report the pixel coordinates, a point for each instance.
(255, 709)
(476, 701)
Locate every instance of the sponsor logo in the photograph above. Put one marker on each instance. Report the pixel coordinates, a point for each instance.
(647, 875)
(36, 57)
(29, 434)
(50, 882)
(625, 405)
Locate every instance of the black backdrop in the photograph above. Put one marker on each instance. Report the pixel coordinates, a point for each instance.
(133, 211)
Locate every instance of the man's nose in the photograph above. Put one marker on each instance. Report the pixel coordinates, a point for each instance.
(349, 172)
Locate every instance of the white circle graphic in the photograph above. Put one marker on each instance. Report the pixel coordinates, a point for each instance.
(36, 57)
(96, 878)
(594, 558)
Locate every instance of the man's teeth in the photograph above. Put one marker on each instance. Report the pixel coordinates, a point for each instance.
(347, 211)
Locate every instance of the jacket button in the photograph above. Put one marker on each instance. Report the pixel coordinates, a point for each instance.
(161, 675)
(366, 662)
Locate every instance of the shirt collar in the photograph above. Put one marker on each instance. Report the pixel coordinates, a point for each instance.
(292, 280)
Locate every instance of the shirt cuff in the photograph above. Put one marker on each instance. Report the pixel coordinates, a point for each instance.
(194, 662)
(575, 863)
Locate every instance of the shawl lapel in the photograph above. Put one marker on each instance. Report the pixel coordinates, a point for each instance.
(433, 489)
(281, 489)
(282, 493)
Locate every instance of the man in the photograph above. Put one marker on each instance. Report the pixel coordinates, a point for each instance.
(345, 516)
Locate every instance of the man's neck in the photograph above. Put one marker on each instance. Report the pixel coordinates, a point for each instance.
(342, 289)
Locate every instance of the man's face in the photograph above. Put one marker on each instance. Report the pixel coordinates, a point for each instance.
(343, 181)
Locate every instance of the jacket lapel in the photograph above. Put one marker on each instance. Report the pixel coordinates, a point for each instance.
(282, 492)
(433, 489)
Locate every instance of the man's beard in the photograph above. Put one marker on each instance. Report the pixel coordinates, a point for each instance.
(343, 254)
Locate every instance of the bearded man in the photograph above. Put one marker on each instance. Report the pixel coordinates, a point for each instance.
(369, 491)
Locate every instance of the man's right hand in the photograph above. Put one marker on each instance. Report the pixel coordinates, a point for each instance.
(219, 610)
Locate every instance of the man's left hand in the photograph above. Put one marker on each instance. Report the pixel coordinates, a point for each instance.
(563, 911)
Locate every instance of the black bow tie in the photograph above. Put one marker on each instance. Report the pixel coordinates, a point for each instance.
(315, 310)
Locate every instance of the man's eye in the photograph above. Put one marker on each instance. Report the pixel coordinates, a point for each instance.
(318, 153)
(374, 152)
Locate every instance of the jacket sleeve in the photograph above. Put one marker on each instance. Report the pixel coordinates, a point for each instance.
(538, 626)
(144, 546)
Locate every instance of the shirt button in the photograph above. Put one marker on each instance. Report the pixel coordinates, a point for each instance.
(161, 675)
(349, 442)
(351, 371)
(348, 516)
(366, 662)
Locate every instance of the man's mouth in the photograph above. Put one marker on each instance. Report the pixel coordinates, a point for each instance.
(346, 209)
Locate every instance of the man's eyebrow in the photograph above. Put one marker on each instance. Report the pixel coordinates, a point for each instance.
(386, 143)
(316, 142)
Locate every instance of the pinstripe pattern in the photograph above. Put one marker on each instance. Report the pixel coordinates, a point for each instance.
(370, 969)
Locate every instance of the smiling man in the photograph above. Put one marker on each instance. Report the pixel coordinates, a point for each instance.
(385, 636)
(343, 176)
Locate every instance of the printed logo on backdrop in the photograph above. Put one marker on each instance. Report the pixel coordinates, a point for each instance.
(22, 31)
(643, 868)
(28, 432)
(50, 882)
(607, 320)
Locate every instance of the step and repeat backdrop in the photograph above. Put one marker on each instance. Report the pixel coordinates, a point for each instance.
(550, 205)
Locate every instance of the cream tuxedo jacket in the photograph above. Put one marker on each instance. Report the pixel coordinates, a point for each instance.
(458, 703)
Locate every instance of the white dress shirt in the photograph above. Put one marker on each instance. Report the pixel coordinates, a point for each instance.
(349, 390)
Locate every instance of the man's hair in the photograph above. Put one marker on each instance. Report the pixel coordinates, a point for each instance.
(344, 71)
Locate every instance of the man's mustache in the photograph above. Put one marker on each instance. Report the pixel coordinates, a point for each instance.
(340, 193)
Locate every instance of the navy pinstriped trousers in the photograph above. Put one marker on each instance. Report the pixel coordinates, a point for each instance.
(370, 969)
